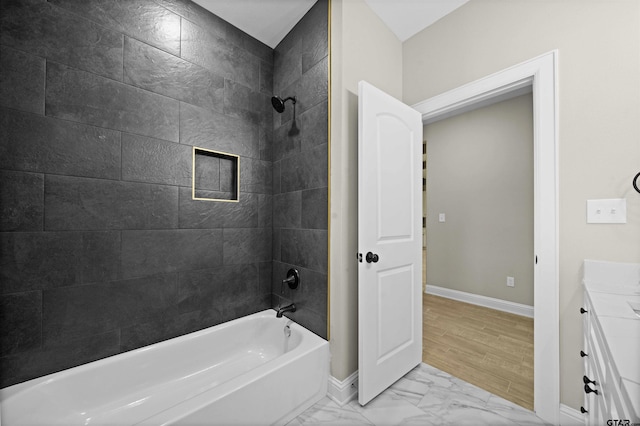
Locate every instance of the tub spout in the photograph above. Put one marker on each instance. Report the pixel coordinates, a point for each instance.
(288, 308)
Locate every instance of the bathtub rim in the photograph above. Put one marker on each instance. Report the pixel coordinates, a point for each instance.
(13, 390)
(199, 401)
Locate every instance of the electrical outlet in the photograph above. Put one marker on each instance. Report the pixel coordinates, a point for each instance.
(441, 217)
(511, 282)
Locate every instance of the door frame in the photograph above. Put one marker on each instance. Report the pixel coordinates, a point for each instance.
(540, 76)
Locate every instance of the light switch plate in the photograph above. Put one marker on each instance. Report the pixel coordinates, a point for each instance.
(611, 210)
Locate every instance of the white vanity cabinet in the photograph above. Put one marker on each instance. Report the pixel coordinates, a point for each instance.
(611, 353)
(593, 407)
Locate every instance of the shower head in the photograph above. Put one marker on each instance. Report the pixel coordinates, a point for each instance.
(278, 102)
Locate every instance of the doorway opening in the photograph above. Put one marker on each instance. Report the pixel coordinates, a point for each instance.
(479, 240)
(539, 76)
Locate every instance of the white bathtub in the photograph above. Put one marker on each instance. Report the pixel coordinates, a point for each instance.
(246, 371)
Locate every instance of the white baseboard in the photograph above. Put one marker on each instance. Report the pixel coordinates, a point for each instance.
(341, 392)
(570, 416)
(476, 299)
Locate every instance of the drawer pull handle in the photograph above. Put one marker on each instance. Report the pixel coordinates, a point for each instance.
(582, 354)
(586, 381)
(583, 411)
(587, 389)
(583, 311)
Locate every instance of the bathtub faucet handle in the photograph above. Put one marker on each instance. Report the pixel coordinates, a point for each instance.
(292, 280)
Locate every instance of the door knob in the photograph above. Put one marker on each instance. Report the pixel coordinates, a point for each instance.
(371, 257)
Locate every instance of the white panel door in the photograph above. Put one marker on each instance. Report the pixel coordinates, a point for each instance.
(389, 240)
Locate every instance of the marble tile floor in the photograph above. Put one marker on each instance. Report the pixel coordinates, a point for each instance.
(424, 396)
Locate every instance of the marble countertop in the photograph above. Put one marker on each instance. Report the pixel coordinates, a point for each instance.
(614, 291)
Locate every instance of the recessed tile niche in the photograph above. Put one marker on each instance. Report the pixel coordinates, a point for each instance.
(216, 176)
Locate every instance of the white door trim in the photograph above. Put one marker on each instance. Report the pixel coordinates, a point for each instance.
(539, 74)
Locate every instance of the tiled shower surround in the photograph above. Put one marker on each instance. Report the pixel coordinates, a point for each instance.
(102, 248)
(300, 169)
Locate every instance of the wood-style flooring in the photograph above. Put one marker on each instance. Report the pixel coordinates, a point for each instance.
(490, 349)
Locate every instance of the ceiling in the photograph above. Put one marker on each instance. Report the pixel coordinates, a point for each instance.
(270, 20)
(406, 18)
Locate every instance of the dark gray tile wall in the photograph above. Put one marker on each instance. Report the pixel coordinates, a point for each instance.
(21, 82)
(73, 203)
(142, 20)
(47, 31)
(102, 249)
(21, 201)
(83, 97)
(39, 144)
(300, 169)
(212, 130)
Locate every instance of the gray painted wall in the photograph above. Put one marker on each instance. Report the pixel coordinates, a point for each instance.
(480, 175)
(102, 249)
